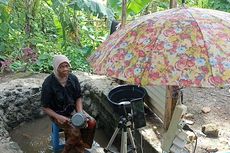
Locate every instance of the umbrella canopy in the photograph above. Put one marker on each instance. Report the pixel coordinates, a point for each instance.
(183, 47)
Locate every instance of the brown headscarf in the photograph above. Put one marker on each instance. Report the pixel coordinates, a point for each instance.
(57, 60)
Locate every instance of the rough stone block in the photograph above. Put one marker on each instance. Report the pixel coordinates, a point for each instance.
(210, 130)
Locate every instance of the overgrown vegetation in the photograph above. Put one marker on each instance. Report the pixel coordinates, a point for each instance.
(32, 31)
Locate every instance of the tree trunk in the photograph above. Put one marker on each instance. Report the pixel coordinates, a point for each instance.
(173, 3)
(124, 8)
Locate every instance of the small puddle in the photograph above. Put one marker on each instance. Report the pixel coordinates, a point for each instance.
(34, 136)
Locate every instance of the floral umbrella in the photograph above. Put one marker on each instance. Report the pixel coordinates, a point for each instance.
(182, 47)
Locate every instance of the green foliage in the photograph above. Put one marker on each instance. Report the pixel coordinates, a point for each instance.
(77, 58)
(4, 27)
(156, 5)
(133, 6)
(18, 66)
(222, 5)
(44, 63)
(33, 31)
(89, 34)
(4, 2)
(91, 6)
(136, 6)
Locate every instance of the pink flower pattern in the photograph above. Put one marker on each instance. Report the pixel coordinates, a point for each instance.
(183, 47)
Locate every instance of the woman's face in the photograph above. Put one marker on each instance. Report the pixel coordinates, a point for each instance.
(63, 69)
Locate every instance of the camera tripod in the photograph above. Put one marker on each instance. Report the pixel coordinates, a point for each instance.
(124, 125)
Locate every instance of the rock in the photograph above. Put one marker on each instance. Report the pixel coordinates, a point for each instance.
(189, 116)
(206, 110)
(19, 89)
(87, 102)
(86, 92)
(35, 90)
(210, 130)
(18, 85)
(7, 93)
(189, 122)
(9, 147)
(211, 150)
(191, 137)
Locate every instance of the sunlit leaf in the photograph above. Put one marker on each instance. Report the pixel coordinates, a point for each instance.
(133, 6)
(85, 28)
(137, 6)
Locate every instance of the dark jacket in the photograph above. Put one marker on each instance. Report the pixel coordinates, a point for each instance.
(58, 98)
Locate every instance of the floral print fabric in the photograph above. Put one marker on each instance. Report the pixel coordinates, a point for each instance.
(183, 47)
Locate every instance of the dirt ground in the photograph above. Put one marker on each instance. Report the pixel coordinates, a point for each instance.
(215, 99)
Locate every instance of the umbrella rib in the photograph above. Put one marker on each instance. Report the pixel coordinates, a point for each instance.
(149, 60)
(205, 46)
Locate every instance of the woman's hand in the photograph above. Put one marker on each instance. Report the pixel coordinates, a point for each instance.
(62, 119)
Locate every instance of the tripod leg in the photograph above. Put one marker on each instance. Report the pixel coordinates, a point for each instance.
(132, 140)
(124, 141)
(112, 139)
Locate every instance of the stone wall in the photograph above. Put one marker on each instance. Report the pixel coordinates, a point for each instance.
(20, 101)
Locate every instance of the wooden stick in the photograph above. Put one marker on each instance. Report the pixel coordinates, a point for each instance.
(169, 105)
